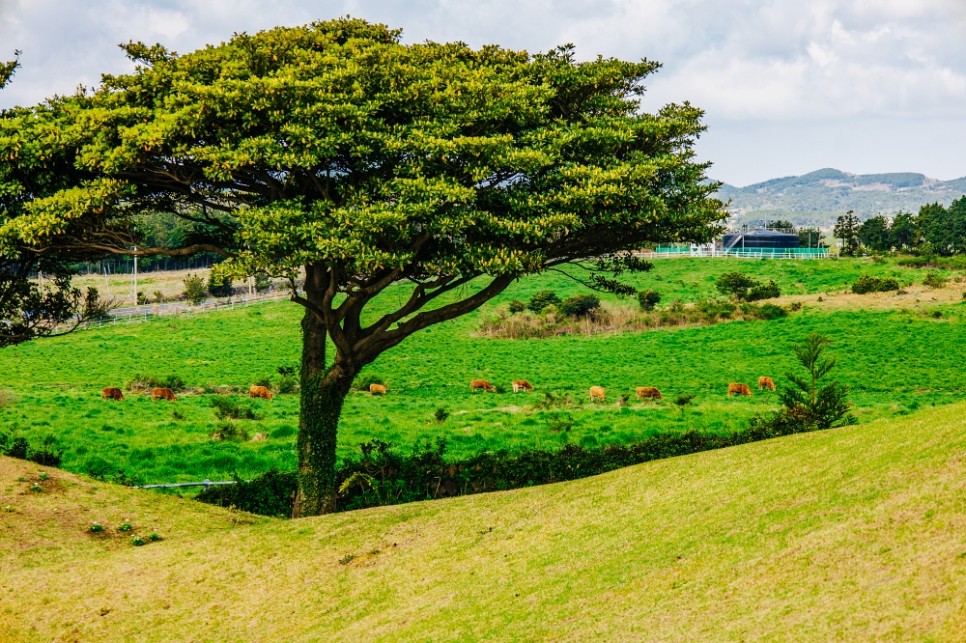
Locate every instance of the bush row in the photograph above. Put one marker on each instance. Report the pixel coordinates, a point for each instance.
(620, 318)
(383, 476)
(45, 454)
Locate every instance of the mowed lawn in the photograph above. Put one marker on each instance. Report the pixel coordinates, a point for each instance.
(895, 362)
(856, 533)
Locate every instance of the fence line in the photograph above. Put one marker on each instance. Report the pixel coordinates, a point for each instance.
(172, 485)
(743, 253)
(139, 314)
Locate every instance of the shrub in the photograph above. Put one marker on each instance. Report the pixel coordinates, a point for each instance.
(762, 291)
(734, 284)
(287, 384)
(771, 311)
(140, 382)
(219, 285)
(867, 283)
(441, 414)
(230, 408)
(46, 454)
(270, 494)
(934, 280)
(683, 399)
(823, 406)
(541, 300)
(194, 289)
(288, 380)
(713, 309)
(228, 430)
(580, 305)
(262, 282)
(517, 306)
(648, 299)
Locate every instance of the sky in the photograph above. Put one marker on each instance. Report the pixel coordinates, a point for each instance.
(787, 86)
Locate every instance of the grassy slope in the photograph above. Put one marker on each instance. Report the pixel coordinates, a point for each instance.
(849, 534)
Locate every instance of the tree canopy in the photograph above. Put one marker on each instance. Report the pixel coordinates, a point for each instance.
(341, 158)
(29, 305)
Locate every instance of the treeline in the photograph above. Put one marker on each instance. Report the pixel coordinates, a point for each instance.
(159, 230)
(935, 230)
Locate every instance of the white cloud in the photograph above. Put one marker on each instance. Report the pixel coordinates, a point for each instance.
(788, 63)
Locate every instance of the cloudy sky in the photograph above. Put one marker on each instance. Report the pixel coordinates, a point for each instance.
(788, 86)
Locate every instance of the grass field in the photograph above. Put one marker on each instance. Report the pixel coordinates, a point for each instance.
(848, 534)
(898, 353)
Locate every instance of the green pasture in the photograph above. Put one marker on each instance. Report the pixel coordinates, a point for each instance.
(894, 362)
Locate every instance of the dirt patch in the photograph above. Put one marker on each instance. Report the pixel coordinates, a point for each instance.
(910, 297)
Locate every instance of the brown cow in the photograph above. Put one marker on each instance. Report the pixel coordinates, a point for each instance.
(740, 389)
(766, 382)
(648, 392)
(111, 393)
(164, 394)
(521, 385)
(481, 384)
(260, 391)
(597, 393)
(377, 389)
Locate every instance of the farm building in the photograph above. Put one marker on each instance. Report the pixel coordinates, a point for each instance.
(760, 239)
(757, 243)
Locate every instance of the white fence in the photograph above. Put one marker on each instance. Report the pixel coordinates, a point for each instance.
(137, 314)
(741, 253)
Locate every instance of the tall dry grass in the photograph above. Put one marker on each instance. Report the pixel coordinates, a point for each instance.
(612, 318)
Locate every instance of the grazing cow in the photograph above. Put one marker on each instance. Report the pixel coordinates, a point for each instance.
(597, 393)
(377, 389)
(766, 382)
(111, 393)
(163, 394)
(482, 384)
(740, 389)
(648, 392)
(260, 391)
(521, 385)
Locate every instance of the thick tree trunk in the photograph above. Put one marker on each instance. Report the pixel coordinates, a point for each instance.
(322, 396)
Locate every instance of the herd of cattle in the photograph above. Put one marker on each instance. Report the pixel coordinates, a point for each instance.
(597, 393)
(164, 393)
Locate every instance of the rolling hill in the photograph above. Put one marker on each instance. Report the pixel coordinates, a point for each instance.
(849, 534)
(817, 198)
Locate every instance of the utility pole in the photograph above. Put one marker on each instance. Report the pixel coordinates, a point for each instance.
(135, 248)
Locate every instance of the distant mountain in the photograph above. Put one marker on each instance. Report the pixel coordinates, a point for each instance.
(821, 196)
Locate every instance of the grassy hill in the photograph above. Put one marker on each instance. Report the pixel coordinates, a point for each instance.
(849, 534)
(817, 198)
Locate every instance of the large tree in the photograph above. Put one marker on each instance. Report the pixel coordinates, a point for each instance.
(36, 295)
(904, 231)
(337, 156)
(873, 233)
(847, 229)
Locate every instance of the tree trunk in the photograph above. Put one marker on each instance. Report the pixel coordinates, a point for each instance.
(323, 393)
